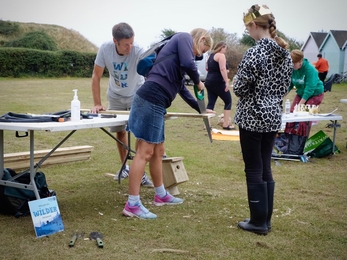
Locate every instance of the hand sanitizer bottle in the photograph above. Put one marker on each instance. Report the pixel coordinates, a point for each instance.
(287, 106)
(75, 108)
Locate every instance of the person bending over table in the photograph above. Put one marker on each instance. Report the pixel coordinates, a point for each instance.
(309, 90)
(120, 57)
(146, 119)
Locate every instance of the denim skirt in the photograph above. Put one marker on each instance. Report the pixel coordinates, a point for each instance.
(147, 121)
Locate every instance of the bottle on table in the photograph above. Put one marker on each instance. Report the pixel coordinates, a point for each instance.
(287, 107)
(75, 108)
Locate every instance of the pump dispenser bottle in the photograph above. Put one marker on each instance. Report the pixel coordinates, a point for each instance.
(75, 108)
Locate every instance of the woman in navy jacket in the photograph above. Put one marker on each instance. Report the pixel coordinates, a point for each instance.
(146, 120)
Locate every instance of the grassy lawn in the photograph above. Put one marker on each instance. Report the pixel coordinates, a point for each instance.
(310, 209)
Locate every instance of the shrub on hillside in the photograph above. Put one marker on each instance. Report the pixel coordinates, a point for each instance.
(34, 40)
(22, 62)
(8, 28)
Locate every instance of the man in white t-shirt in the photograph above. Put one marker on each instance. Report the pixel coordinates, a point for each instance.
(120, 57)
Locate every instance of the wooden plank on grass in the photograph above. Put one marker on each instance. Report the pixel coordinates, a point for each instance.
(21, 160)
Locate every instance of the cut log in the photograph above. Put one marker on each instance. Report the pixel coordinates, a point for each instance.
(21, 160)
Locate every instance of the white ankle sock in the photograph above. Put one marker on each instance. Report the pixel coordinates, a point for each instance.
(160, 191)
(133, 199)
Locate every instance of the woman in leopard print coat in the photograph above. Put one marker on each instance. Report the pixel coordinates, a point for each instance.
(262, 80)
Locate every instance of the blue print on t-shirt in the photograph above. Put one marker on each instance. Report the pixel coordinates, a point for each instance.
(120, 73)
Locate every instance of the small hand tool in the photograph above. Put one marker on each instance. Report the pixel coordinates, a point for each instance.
(73, 240)
(201, 102)
(74, 237)
(98, 237)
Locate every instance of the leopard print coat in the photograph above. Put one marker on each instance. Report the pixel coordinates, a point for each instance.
(262, 80)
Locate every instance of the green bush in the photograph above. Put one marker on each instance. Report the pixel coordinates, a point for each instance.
(8, 28)
(34, 40)
(76, 64)
(21, 62)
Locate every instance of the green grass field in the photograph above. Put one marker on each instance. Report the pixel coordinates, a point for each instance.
(310, 211)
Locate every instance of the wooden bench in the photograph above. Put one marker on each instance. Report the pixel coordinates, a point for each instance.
(21, 160)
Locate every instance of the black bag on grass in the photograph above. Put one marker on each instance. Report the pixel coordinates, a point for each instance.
(290, 144)
(14, 201)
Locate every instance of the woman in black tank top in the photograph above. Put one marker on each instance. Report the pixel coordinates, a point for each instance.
(217, 83)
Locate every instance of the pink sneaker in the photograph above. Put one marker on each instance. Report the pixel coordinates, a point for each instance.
(138, 211)
(168, 199)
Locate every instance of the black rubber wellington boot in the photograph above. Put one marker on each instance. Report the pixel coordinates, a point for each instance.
(270, 201)
(258, 206)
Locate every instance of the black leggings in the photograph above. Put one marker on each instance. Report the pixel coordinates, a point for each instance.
(256, 151)
(215, 92)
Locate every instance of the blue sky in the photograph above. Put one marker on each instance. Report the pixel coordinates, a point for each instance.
(94, 19)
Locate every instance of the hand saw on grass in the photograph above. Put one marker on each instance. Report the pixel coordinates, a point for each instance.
(201, 102)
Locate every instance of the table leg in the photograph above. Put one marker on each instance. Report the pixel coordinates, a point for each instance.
(33, 167)
(127, 147)
(1, 154)
(55, 148)
(32, 164)
(10, 182)
(126, 159)
(334, 137)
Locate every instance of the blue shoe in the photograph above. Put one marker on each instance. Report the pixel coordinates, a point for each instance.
(146, 182)
(124, 174)
(138, 211)
(168, 199)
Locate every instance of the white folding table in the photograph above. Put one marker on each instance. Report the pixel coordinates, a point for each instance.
(30, 128)
(288, 118)
(96, 122)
